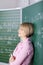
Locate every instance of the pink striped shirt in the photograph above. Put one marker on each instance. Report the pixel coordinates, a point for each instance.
(23, 53)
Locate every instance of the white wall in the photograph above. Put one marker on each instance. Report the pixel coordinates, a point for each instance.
(24, 3)
(34, 1)
(4, 4)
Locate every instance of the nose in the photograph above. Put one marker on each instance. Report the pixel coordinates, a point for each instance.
(18, 30)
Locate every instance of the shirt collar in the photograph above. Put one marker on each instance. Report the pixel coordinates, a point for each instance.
(27, 39)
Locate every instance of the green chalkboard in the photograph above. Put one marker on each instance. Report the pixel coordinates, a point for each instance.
(34, 14)
(9, 24)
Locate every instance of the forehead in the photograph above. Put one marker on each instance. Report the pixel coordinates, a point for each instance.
(25, 28)
(21, 27)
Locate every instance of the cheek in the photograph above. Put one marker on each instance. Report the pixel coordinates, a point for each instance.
(20, 33)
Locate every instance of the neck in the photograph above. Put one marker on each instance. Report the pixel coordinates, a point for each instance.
(23, 38)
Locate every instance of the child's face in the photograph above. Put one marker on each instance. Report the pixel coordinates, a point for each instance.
(21, 32)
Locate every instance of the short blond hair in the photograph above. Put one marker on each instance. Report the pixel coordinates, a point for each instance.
(28, 28)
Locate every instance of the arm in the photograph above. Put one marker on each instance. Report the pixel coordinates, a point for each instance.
(12, 58)
(20, 56)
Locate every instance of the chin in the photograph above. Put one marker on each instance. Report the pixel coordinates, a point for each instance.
(18, 35)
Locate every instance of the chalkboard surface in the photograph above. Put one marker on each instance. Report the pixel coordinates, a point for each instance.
(34, 14)
(9, 24)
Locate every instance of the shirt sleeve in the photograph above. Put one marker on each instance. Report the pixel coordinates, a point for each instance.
(20, 56)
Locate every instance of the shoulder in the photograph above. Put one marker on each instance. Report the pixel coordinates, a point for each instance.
(29, 44)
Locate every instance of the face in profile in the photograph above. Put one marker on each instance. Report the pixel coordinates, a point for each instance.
(21, 32)
(25, 30)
